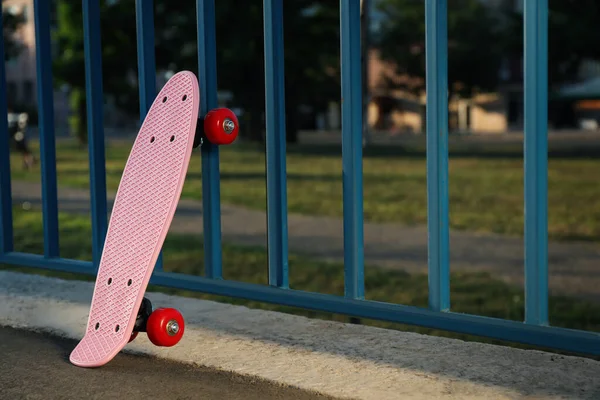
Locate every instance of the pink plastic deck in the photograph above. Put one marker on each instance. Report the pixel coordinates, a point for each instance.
(142, 213)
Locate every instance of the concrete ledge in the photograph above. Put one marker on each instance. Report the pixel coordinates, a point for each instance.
(342, 360)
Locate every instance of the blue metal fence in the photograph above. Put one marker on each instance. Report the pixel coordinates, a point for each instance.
(534, 330)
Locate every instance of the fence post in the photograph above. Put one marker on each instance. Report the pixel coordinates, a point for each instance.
(6, 220)
(211, 197)
(144, 15)
(352, 172)
(536, 161)
(43, 62)
(95, 117)
(277, 225)
(436, 47)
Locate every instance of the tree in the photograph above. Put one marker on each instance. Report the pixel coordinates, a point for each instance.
(117, 21)
(474, 33)
(572, 31)
(311, 53)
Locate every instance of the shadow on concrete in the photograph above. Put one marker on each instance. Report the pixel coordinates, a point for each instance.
(530, 373)
(36, 366)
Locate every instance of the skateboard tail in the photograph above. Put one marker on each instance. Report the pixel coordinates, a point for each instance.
(144, 207)
(94, 351)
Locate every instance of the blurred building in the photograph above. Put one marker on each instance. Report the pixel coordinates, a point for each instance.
(21, 81)
(20, 71)
(21, 74)
(398, 110)
(402, 110)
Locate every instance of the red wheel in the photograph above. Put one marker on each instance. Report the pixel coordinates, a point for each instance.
(165, 327)
(221, 126)
(133, 336)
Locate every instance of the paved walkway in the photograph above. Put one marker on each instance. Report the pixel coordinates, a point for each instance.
(348, 361)
(574, 267)
(36, 366)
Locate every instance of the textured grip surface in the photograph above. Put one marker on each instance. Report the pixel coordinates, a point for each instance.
(144, 206)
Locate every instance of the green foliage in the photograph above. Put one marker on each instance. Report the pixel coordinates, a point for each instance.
(311, 56)
(480, 37)
(78, 118)
(473, 34)
(572, 33)
(119, 60)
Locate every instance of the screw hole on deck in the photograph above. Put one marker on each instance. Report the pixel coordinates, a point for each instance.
(109, 281)
(165, 99)
(152, 139)
(129, 282)
(117, 328)
(184, 98)
(97, 325)
(172, 138)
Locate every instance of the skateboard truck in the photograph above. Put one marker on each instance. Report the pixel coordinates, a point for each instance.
(143, 315)
(218, 126)
(164, 326)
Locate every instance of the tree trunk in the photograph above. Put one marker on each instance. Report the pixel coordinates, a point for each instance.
(254, 127)
(291, 122)
(291, 111)
(78, 116)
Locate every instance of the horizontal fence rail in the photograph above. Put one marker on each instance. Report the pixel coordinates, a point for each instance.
(535, 330)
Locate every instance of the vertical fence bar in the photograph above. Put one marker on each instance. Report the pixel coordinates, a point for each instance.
(207, 79)
(536, 162)
(45, 94)
(94, 103)
(352, 173)
(277, 226)
(365, 22)
(436, 47)
(144, 18)
(6, 220)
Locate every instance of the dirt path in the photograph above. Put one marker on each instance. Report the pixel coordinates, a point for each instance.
(574, 266)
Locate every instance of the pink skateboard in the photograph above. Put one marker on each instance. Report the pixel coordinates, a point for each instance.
(144, 206)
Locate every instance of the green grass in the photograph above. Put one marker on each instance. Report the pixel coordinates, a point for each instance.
(485, 186)
(474, 293)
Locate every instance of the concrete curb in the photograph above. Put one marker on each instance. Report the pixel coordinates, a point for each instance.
(342, 360)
